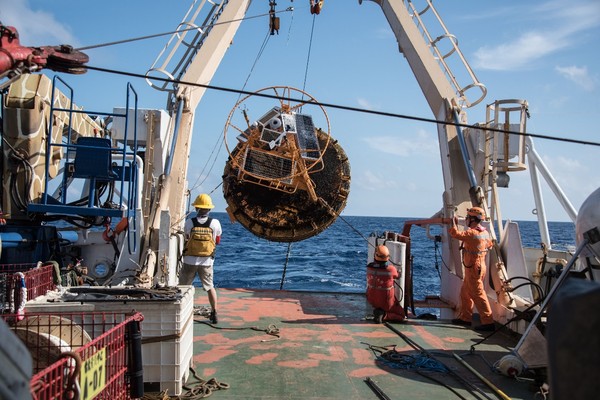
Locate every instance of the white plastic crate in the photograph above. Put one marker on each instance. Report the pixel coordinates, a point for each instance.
(166, 363)
(170, 375)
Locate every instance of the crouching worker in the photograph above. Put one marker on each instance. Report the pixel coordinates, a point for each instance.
(380, 288)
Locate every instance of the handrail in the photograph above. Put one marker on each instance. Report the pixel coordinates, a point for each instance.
(441, 58)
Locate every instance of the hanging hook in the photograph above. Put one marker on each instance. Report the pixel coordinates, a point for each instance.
(316, 6)
(274, 20)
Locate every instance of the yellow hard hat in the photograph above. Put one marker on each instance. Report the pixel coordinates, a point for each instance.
(203, 201)
(382, 253)
(476, 212)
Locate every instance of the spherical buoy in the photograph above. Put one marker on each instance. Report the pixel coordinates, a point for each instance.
(285, 181)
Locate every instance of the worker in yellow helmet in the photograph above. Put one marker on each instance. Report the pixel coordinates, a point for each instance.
(202, 234)
(476, 242)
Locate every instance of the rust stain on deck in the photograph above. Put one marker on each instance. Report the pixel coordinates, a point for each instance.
(367, 371)
(209, 371)
(322, 352)
(300, 364)
(452, 339)
(261, 358)
(434, 341)
(213, 354)
(362, 356)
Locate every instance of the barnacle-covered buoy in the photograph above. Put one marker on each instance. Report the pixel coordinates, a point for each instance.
(285, 179)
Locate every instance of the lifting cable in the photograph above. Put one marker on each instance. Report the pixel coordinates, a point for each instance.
(312, 30)
(289, 249)
(287, 259)
(218, 146)
(194, 28)
(347, 108)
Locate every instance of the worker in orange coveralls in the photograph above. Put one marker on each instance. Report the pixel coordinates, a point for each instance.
(380, 288)
(476, 241)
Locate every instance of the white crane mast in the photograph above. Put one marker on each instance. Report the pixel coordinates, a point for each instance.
(201, 58)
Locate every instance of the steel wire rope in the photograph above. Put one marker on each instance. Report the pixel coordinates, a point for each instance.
(116, 42)
(413, 363)
(289, 32)
(520, 315)
(473, 389)
(312, 30)
(289, 249)
(348, 108)
(287, 258)
(353, 228)
(220, 140)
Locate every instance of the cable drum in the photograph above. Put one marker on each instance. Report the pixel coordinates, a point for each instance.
(285, 182)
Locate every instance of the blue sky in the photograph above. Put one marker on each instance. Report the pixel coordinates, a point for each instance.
(541, 51)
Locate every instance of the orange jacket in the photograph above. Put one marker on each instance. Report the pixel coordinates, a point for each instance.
(380, 285)
(476, 243)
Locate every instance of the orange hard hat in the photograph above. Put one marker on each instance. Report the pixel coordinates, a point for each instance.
(476, 212)
(382, 253)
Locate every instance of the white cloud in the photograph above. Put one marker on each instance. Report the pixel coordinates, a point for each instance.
(364, 103)
(372, 181)
(579, 75)
(424, 143)
(36, 28)
(565, 164)
(562, 26)
(380, 180)
(580, 15)
(518, 54)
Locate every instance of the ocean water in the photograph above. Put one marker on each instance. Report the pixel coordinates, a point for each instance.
(335, 260)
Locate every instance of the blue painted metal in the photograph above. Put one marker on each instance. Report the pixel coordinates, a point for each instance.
(94, 160)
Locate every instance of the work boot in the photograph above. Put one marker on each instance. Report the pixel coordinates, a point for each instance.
(486, 328)
(458, 321)
(378, 315)
(213, 317)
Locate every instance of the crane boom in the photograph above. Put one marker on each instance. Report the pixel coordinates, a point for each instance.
(438, 82)
(198, 65)
(446, 97)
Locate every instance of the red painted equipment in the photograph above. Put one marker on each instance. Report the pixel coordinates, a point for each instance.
(21, 59)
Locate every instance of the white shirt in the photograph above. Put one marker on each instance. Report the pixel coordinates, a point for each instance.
(215, 225)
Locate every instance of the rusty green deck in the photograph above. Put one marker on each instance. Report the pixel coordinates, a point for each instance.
(321, 352)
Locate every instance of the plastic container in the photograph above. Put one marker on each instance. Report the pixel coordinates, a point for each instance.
(167, 333)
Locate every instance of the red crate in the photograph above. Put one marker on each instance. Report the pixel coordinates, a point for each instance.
(38, 281)
(12, 268)
(96, 345)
